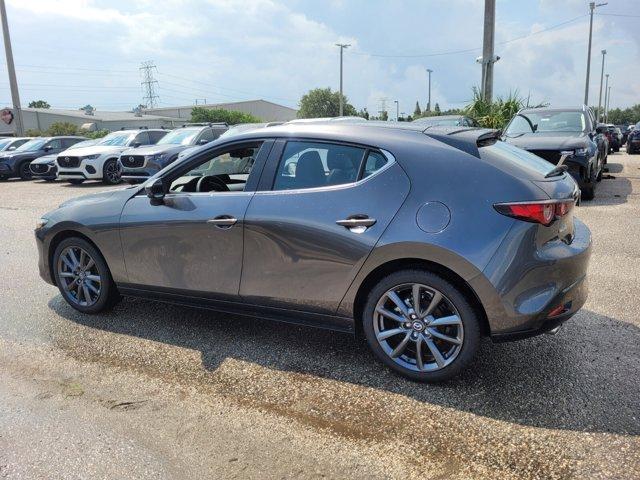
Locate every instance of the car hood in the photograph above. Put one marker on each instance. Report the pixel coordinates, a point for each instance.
(154, 149)
(550, 140)
(92, 150)
(21, 155)
(94, 198)
(45, 159)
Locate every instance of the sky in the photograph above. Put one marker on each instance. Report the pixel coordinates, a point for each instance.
(77, 52)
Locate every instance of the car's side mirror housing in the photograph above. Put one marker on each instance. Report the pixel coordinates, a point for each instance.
(136, 144)
(203, 141)
(155, 190)
(48, 148)
(599, 130)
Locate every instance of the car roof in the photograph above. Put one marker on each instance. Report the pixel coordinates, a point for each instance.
(379, 133)
(553, 109)
(439, 117)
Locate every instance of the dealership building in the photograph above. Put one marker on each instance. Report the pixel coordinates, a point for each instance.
(40, 119)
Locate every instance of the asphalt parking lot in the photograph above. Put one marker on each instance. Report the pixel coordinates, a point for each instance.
(157, 391)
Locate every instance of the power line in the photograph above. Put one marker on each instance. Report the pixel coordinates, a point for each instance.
(617, 15)
(469, 50)
(149, 83)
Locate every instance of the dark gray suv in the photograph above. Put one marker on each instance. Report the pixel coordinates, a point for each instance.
(421, 240)
(138, 164)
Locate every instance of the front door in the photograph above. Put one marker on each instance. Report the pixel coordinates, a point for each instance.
(191, 241)
(326, 207)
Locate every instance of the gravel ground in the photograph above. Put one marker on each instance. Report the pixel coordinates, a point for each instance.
(157, 391)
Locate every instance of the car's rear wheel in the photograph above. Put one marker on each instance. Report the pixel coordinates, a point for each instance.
(421, 326)
(25, 171)
(110, 172)
(83, 277)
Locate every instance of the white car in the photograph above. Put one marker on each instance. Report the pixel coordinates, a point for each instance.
(100, 161)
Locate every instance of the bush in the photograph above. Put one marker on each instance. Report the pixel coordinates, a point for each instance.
(494, 114)
(62, 128)
(231, 117)
(94, 135)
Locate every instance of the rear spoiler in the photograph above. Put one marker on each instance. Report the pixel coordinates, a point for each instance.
(469, 140)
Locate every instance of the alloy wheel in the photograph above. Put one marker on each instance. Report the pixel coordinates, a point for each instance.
(112, 172)
(79, 276)
(418, 327)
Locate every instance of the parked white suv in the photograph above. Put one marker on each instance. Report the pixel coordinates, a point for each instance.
(100, 161)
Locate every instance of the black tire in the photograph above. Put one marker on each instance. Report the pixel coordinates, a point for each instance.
(110, 172)
(599, 177)
(3, 178)
(108, 294)
(76, 181)
(24, 171)
(589, 191)
(452, 295)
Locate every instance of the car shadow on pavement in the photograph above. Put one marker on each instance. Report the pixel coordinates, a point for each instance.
(585, 378)
(612, 190)
(89, 184)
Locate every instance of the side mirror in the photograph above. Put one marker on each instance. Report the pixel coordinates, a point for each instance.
(48, 148)
(136, 144)
(203, 141)
(155, 191)
(599, 130)
(12, 148)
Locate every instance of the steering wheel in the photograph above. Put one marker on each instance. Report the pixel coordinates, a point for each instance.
(209, 183)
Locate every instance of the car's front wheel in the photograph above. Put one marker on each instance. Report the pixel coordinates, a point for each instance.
(420, 325)
(25, 171)
(111, 172)
(83, 277)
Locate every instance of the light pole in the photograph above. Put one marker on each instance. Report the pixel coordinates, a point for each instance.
(429, 72)
(342, 47)
(608, 104)
(487, 49)
(397, 110)
(592, 7)
(13, 83)
(604, 52)
(606, 89)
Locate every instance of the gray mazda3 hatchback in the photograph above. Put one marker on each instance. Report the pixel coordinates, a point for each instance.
(420, 240)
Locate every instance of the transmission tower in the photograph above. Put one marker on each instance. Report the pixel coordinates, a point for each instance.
(149, 84)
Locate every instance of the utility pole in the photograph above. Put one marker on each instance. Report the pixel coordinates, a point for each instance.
(608, 102)
(15, 97)
(487, 49)
(604, 53)
(606, 89)
(397, 110)
(429, 71)
(342, 47)
(149, 83)
(592, 7)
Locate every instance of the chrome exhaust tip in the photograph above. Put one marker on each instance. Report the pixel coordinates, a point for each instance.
(553, 331)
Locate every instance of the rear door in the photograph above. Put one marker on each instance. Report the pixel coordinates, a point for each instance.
(320, 209)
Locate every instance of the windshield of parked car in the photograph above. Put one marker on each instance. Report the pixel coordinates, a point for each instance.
(84, 143)
(440, 122)
(116, 139)
(32, 145)
(181, 136)
(546, 121)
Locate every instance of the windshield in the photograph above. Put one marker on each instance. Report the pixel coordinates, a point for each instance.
(4, 143)
(440, 122)
(116, 139)
(546, 121)
(84, 143)
(32, 145)
(181, 136)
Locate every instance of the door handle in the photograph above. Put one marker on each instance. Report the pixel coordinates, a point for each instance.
(357, 223)
(223, 221)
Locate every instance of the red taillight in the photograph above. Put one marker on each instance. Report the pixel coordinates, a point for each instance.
(538, 212)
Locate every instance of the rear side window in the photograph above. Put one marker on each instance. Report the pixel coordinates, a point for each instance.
(311, 165)
(155, 136)
(375, 161)
(67, 142)
(142, 138)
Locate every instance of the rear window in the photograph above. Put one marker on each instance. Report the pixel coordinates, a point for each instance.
(503, 152)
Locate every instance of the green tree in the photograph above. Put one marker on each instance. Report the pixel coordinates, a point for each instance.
(364, 113)
(437, 109)
(494, 114)
(384, 116)
(417, 112)
(62, 128)
(231, 117)
(39, 104)
(95, 134)
(322, 102)
(621, 116)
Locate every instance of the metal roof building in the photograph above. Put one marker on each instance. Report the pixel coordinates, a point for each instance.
(264, 110)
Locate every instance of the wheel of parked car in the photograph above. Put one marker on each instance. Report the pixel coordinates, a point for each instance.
(420, 325)
(110, 172)
(589, 192)
(25, 171)
(76, 181)
(3, 178)
(83, 277)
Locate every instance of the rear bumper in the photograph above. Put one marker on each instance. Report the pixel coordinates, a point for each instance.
(528, 288)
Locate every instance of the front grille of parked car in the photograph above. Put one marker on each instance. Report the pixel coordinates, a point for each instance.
(132, 161)
(39, 167)
(69, 162)
(552, 156)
